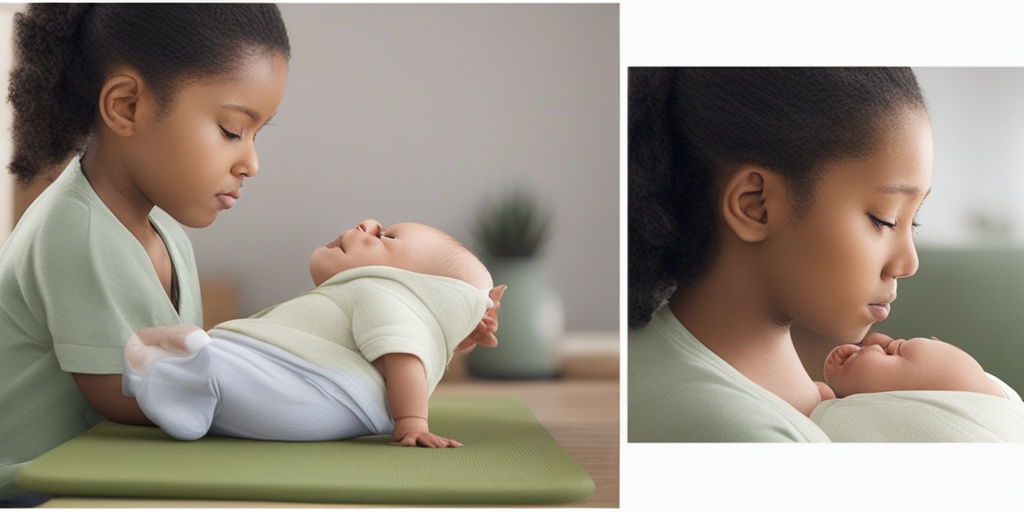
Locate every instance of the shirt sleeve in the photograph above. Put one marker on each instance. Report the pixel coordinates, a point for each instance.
(388, 320)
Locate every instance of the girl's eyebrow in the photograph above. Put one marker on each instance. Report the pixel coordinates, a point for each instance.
(909, 190)
(246, 110)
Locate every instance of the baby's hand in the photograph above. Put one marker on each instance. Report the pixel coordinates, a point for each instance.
(413, 431)
(484, 333)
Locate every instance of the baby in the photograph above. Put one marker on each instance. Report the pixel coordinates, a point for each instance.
(917, 389)
(359, 354)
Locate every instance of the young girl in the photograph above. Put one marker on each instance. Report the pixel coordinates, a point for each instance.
(759, 197)
(159, 106)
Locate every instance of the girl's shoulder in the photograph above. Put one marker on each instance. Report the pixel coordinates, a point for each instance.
(681, 391)
(59, 216)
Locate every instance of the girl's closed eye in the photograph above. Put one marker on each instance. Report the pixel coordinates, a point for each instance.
(879, 223)
(231, 135)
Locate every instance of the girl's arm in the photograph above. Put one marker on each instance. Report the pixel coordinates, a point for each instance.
(104, 393)
(406, 383)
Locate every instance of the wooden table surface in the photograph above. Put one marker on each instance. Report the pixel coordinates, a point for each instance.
(581, 414)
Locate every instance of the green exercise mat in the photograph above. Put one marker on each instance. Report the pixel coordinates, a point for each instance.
(508, 458)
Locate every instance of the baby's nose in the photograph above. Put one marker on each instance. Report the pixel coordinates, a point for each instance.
(370, 227)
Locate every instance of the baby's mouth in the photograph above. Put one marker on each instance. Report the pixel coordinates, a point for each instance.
(336, 243)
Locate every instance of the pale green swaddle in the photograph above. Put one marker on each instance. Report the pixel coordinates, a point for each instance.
(922, 416)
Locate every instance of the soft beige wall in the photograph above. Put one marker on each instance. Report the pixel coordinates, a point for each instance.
(417, 112)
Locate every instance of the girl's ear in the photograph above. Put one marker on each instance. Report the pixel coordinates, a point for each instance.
(745, 203)
(119, 99)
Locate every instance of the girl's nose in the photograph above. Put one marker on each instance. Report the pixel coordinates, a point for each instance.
(249, 165)
(370, 227)
(905, 263)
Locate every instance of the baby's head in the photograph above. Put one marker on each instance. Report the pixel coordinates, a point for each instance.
(408, 245)
(881, 363)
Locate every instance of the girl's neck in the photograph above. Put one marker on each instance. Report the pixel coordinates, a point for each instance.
(111, 183)
(730, 316)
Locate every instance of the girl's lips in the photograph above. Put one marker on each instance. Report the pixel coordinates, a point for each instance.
(879, 311)
(228, 200)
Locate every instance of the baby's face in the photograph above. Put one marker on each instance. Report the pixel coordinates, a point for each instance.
(881, 363)
(409, 246)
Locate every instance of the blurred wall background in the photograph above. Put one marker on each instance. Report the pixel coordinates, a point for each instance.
(977, 119)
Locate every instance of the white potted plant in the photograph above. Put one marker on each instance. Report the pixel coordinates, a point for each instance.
(512, 233)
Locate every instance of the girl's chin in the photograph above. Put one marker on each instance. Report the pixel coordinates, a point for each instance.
(198, 221)
(856, 336)
(851, 336)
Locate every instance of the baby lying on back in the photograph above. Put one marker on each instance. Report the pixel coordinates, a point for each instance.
(358, 355)
(914, 390)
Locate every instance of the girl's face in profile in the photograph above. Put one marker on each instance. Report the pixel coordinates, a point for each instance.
(835, 267)
(192, 159)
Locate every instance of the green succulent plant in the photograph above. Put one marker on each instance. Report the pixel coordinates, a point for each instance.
(516, 225)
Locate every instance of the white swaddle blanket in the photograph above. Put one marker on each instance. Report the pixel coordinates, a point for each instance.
(922, 416)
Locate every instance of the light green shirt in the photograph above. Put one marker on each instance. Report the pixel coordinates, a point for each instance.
(74, 285)
(361, 314)
(681, 391)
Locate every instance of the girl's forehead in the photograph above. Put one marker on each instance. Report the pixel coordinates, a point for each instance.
(901, 164)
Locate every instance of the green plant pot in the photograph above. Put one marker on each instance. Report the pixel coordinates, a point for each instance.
(530, 325)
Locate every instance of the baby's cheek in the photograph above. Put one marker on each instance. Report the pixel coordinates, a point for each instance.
(833, 377)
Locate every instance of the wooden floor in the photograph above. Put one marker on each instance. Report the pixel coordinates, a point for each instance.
(581, 414)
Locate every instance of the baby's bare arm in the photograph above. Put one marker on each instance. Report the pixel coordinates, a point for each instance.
(406, 383)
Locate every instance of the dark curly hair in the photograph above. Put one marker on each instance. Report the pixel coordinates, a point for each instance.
(63, 53)
(685, 125)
